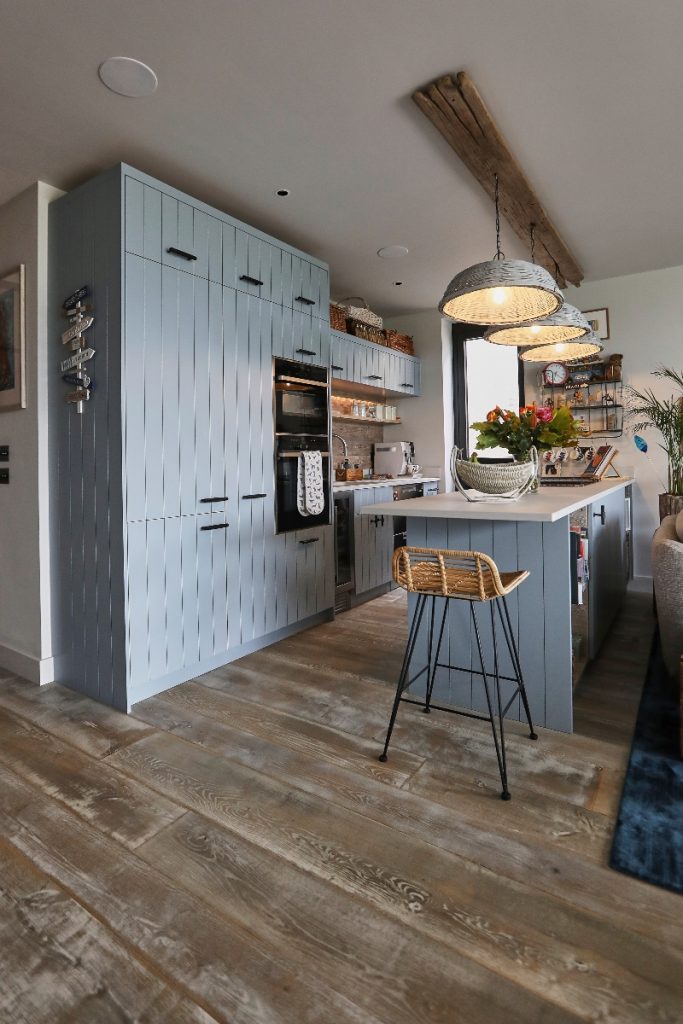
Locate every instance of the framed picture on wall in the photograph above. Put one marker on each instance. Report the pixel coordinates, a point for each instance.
(599, 321)
(12, 340)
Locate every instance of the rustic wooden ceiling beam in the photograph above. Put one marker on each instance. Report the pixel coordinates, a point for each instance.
(456, 109)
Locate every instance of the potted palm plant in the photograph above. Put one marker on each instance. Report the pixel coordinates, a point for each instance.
(647, 412)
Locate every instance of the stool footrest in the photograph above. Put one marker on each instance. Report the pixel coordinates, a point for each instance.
(451, 711)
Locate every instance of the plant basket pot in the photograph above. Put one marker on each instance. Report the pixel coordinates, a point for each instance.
(494, 482)
(670, 505)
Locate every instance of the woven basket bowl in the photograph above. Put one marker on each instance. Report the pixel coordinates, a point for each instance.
(494, 479)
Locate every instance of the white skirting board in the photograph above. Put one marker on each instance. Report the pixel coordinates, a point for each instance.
(36, 670)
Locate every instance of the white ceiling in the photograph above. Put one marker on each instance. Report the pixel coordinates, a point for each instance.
(314, 95)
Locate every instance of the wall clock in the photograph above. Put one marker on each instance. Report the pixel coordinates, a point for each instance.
(555, 373)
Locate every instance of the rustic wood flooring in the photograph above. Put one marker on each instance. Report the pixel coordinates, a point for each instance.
(234, 851)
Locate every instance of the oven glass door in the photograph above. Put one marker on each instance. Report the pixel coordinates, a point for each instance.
(300, 408)
(288, 515)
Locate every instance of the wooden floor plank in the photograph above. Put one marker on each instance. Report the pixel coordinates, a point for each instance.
(122, 808)
(94, 728)
(59, 964)
(452, 901)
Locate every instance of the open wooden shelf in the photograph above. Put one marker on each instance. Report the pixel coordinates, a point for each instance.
(363, 419)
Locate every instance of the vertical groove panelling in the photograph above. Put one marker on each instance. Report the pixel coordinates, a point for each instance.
(218, 457)
(229, 260)
(138, 626)
(134, 349)
(169, 396)
(173, 571)
(505, 556)
(186, 393)
(244, 442)
(148, 392)
(156, 599)
(134, 217)
(200, 383)
(532, 635)
(459, 648)
(481, 539)
(230, 385)
(152, 224)
(557, 709)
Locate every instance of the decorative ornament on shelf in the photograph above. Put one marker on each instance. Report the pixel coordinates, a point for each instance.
(648, 412)
(501, 291)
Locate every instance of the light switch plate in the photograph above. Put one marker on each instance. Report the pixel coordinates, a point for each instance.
(4, 453)
(4, 476)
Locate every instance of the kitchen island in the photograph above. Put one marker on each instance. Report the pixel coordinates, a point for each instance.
(532, 533)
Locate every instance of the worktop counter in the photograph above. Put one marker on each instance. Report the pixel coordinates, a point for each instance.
(546, 505)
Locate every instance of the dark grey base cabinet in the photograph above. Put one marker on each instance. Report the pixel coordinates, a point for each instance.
(609, 565)
(168, 563)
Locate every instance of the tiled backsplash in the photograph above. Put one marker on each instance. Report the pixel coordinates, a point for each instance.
(360, 438)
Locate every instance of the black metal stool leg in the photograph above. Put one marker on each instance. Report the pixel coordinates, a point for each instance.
(403, 677)
(496, 671)
(505, 795)
(512, 647)
(431, 677)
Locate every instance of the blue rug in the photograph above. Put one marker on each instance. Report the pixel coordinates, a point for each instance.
(648, 838)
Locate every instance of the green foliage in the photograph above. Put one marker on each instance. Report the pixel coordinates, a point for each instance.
(647, 412)
(531, 427)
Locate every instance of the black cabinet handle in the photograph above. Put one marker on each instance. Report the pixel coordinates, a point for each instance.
(216, 526)
(248, 497)
(181, 252)
(378, 520)
(306, 302)
(373, 376)
(207, 501)
(311, 540)
(600, 515)
(251, 280)
(334, 367)
(407, 385)
(306, 351)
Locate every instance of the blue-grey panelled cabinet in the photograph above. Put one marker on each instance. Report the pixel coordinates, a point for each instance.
(168, 563)
(363, 362)
(373, 539)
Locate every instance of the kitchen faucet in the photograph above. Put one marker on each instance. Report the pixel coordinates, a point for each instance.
(346, 447)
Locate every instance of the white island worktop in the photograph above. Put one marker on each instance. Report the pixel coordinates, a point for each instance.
(533, 533)
(546, 505)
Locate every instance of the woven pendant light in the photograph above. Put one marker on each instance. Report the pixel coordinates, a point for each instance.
(501, 291)
(564, 325)
(563, 352)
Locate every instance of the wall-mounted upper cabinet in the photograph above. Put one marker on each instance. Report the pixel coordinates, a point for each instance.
(362, 362)
(170, 230)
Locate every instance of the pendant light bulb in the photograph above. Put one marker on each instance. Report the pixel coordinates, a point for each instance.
(498, 296)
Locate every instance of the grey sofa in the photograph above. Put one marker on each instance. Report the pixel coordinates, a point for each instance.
(667, 573)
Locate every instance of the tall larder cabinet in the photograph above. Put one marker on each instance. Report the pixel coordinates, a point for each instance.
(167, 563)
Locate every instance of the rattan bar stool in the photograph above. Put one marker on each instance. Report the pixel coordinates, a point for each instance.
(464, 576)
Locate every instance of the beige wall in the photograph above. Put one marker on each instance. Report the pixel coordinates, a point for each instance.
(25, 619)
(428, 420)
(646, 326)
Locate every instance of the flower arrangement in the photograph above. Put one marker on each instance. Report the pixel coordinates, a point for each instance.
(531, 427)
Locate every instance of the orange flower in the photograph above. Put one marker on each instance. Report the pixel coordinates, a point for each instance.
(492, 416)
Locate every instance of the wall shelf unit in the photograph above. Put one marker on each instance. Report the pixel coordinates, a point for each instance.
(599, 404)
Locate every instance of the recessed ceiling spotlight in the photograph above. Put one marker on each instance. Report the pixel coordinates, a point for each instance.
(282, 192)
(392, 252)
(128, 77)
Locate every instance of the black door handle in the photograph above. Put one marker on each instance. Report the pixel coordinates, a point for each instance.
(311, 540)
(251, 280)
(334, 367)
(306, 302)
(373, 376)
(600, 515)
(216, 526)
(378, 520)
(207, 501)
(306, 351)
(181, 252)
(407, 385)
(248, 497)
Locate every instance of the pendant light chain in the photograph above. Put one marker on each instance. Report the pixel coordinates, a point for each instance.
(532, 233)
(500, 255)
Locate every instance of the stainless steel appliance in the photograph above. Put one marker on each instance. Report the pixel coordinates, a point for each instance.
(301, 416)
(393, 458)
(402, 493)
(301, 399)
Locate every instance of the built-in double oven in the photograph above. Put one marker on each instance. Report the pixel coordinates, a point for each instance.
(302, 423)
